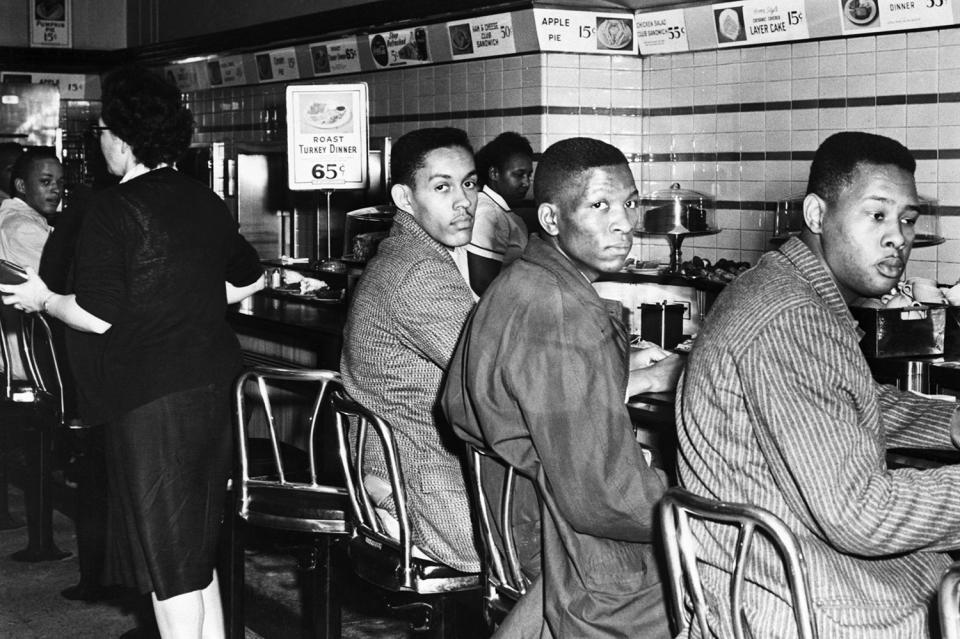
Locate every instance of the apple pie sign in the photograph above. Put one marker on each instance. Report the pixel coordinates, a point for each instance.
(327, 136)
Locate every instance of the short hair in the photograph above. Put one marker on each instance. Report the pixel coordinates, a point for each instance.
(146, 112)
(29, 158)
(409, 152)
(559, 175)
(840, 156)
(499, 150)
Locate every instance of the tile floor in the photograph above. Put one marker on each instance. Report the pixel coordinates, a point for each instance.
(32, 608)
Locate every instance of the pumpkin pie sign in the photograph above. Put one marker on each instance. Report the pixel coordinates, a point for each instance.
(327, 136)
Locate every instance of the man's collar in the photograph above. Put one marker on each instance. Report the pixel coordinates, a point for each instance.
(816, 272)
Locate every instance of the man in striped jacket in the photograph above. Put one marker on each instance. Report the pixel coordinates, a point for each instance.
(778, 408)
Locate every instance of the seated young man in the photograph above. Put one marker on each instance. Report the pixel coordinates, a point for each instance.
(505, 166)
(402, 326)
(540, 376)
(778, 408)
(36, 184)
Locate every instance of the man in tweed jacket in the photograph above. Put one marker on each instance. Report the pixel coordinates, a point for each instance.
(404, 321)
(778, 408)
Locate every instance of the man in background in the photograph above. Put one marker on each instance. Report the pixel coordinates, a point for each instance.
(778, 408)
(36, 178)
(505, 167)
(9, 152)
(541, 376)
(407, 312)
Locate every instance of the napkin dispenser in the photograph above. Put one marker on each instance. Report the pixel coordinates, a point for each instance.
(662, 323)
(902, 331)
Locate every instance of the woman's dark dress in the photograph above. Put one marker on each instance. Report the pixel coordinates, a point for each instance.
(152, 259)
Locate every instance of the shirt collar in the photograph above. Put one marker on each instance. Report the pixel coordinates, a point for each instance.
(814, 271)
(496, 197)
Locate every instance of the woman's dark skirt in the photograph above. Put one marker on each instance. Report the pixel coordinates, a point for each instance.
(167, 464)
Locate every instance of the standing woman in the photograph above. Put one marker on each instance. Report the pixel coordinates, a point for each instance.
(158, 259)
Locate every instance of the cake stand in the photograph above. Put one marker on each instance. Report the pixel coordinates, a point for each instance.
(676, 240)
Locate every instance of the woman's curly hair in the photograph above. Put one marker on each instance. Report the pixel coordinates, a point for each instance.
(145, 111)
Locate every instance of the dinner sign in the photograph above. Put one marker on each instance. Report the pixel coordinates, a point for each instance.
(327, 136)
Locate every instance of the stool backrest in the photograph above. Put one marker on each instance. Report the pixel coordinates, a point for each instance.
(38, 354)
(265, 384)
(950, 602)
(677, 508)
(502, 572)
(355, 424)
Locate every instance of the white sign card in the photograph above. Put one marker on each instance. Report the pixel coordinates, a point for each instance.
(327, 136)
(335, 57)
(759, 21)
(865, 16)
(482, 37)
(661, 32)
(182, 76)
(400, 48)
(72, 86)
(50, 23)
(277, 65)
(226, 71)
(583, 32)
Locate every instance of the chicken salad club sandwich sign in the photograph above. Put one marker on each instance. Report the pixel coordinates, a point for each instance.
(327, 136)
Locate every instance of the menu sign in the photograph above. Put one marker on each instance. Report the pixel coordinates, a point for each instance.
(327, 136)
(482, 37)
(759, 21)
(225, 71)
(661, 32)
(183, 76)
(583, 32)
(400, 48)
(335, 57)
(50, 23)
(863, 16)
(277, 65)
(70, 85)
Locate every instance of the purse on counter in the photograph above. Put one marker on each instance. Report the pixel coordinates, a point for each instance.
(11, 273)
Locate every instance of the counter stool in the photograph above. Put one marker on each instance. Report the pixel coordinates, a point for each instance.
(677, 508)
(504, 582)
(388, 561)
(30, 412)
(949, 602)
(277, 486)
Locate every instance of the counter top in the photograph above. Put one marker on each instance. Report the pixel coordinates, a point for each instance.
(292, 318)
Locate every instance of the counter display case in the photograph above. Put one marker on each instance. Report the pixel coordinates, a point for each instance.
(677, 214)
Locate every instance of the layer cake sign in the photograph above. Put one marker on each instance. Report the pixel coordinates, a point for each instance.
(759, 21)
(327, 136)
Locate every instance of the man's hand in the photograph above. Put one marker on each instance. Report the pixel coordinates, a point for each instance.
(661, 375)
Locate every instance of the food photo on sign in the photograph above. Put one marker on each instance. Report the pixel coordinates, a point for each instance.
(614, 33)
(461, 39)
(860, 13)
(729, 22)
(327, 112)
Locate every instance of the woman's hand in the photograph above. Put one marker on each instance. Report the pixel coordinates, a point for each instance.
(28, 296)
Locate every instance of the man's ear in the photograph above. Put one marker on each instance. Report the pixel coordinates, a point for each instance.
(401, 197)
(814, 209)
(19, 186)
(547, 215)
(493, 174)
